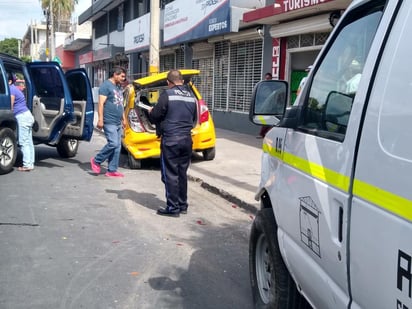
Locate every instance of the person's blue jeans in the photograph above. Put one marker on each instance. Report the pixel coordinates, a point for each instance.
(111, 151)
(25, 122)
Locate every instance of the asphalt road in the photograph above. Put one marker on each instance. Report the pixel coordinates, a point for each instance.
(70, 239)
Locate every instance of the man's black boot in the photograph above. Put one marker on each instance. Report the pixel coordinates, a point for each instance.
(168, 212)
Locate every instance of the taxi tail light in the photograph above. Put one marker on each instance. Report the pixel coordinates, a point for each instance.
(204, 111)
(134, 121)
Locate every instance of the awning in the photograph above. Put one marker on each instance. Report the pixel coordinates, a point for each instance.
(318, 23)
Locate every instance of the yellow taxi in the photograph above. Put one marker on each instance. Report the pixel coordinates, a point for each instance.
(140, 140)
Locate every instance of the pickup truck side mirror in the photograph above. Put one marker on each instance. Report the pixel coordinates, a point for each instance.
(269, 100)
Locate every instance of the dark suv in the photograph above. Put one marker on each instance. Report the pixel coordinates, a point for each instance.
(61, 103)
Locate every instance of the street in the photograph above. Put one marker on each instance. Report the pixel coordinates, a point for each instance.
(71, 239)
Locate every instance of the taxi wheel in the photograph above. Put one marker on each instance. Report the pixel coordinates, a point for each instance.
(67, 147)
(209, 154)
(134, 164)
(272, 285)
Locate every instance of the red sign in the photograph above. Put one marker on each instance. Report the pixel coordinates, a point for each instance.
(275, 58)
(86, 58)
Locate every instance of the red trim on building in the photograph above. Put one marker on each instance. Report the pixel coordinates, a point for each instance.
(285, 6)
(67, 58)
(86, 57)
(283, 48)
(260, 13)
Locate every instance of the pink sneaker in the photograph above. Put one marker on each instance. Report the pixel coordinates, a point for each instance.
(114, 174)
(95, 167)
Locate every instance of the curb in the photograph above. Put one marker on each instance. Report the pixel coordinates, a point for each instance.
(215, 190)
(225, 195)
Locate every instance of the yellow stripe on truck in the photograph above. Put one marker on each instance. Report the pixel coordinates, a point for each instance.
(393, 203)
(313, 169)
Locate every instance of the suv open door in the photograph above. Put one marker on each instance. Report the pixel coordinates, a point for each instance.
(62, 106)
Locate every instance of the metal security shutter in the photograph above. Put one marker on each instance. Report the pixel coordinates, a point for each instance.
(167, 62)
(245, 72)
(221, 76)
(203, 61)
(180, 59)
(204, 82)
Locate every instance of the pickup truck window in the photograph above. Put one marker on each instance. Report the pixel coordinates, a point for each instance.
(335, 81)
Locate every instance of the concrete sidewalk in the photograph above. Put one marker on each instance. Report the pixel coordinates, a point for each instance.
(234, 174)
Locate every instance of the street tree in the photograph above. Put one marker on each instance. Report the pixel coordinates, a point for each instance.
(10, 46)
(62, 11)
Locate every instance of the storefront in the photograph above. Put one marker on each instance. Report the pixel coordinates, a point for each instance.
(298, 29)
(208, 36)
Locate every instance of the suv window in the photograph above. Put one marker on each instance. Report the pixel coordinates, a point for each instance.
(47, 82)
(335, 82)
(2, 85)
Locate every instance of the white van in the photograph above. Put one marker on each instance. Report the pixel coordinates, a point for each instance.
(335, 224)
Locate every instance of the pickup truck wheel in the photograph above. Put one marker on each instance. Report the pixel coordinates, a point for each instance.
(272, 285)
(134, 164)
(8, 150)
(209, 154)
(67, 147)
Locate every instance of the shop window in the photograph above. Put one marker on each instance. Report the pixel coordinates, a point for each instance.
(99, 26)
(120, 19)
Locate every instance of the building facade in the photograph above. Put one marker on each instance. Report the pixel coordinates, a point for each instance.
(232, 42)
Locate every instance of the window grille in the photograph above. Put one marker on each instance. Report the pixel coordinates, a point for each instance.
(307, 39)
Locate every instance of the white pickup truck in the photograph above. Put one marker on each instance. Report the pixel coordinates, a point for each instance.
(335, 224)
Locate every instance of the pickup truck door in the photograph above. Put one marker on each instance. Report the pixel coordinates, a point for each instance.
(81, 94)
(381, 217)
(313, 185)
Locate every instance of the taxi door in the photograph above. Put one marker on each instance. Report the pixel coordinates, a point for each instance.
(381, 220)
(313, 185)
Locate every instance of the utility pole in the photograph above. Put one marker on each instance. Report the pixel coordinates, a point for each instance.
(47, 13)
(154, 37)
(52, 47)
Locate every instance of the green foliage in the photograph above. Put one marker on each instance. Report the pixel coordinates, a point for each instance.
(26, 58)
(10, 46)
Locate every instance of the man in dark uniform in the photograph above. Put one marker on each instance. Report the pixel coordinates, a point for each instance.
(174, 116)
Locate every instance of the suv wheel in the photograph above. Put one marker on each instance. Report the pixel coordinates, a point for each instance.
(209, 154)
(67, 147)
(8, 150)
(272, 285)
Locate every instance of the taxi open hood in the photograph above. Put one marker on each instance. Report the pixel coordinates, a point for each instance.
(160, 79)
